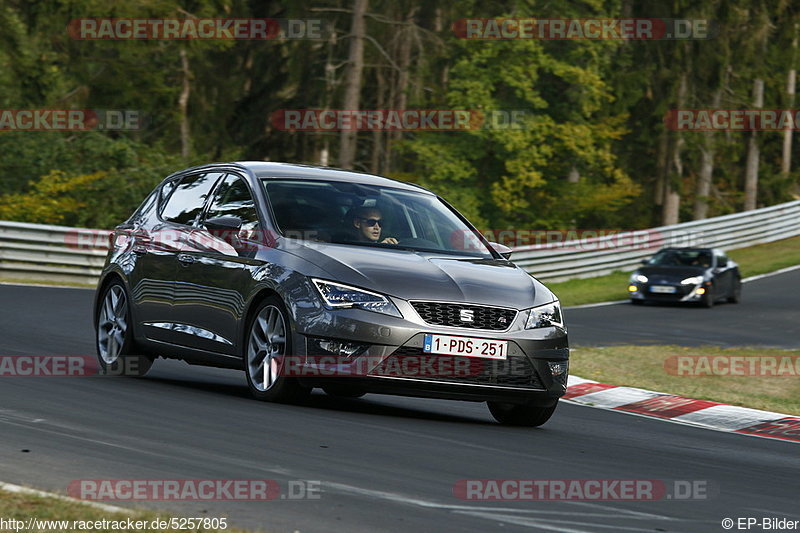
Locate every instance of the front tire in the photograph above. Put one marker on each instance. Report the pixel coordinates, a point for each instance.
(268, 343)
(529, 415)
(708, 297)
(114, 335)
(736, 293)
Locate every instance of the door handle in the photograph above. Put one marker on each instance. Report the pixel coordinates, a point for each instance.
(185, 259)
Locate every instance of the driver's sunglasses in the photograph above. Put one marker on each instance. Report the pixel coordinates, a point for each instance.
(372, 221)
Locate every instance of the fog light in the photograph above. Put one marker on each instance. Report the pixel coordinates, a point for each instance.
(334, 347)
(632, 288)
(558, 368)
(700, 290)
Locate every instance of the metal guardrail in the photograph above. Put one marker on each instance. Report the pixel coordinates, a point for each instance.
(585, 258)
(44, 253)
(57, 253)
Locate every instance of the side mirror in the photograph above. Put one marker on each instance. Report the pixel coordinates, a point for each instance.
(225, 228)
(502, 249)
(722, 262)
(645, 261)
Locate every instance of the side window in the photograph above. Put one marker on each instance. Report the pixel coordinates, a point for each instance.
(188, 198)
(233, 198)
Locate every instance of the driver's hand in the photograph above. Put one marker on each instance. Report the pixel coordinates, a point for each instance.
(389, 240)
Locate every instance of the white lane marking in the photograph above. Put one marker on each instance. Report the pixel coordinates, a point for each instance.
(782, 514)
(600, 304)
(552, 525)
(8, 487)
(410, 500)
(770, 274)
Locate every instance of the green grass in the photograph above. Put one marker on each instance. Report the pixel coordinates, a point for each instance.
(752, 261)
(644, 367)
(28, 281)
(23, 506)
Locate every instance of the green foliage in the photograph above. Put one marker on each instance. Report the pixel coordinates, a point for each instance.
(594, 109)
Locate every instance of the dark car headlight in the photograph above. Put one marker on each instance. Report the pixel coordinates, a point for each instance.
(340, 296)
(545, 316)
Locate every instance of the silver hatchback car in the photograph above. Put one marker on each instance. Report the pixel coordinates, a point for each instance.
(309, 277)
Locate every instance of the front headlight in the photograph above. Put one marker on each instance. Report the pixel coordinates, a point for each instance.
(638, 278)
(545, 316)
(694, 280)
(340, 296)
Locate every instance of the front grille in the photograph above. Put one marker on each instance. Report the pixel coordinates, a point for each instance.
(410, 362)
(458, 315)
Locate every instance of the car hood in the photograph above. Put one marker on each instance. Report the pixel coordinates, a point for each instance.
(428, 276)
(671, 273)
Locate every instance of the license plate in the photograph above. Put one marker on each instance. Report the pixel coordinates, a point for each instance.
(663, 289)
(466, 346)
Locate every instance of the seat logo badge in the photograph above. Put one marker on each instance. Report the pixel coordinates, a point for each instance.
(467, 315)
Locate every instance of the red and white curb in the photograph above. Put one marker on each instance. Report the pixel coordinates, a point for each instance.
(701, 413)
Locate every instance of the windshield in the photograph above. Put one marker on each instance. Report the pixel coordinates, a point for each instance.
(701, 258)
(366, 215)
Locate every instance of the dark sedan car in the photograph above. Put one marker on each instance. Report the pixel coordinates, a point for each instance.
(702, 275)
(310, 277)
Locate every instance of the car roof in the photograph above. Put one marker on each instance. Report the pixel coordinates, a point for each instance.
(688, 249)
(269, 169)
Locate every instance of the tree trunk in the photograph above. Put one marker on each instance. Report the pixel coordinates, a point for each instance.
(672, 198)
(573, 176)
(706, 168)
(377, 134)
(183, 105)
(791, 82)
(662, 167)
(753, 153)
(403, 64)
(352, 91)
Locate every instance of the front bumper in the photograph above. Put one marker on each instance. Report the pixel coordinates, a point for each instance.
(393, 361)
(683, 293)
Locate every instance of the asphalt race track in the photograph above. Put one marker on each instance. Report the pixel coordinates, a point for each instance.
(768, 315)
(389, 463)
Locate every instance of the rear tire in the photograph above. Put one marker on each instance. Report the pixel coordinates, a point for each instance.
(268, 342)
(529, 415)
(116, 349)
(636, 302)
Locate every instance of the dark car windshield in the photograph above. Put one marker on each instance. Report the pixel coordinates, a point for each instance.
(701, 258)
(368, 215)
